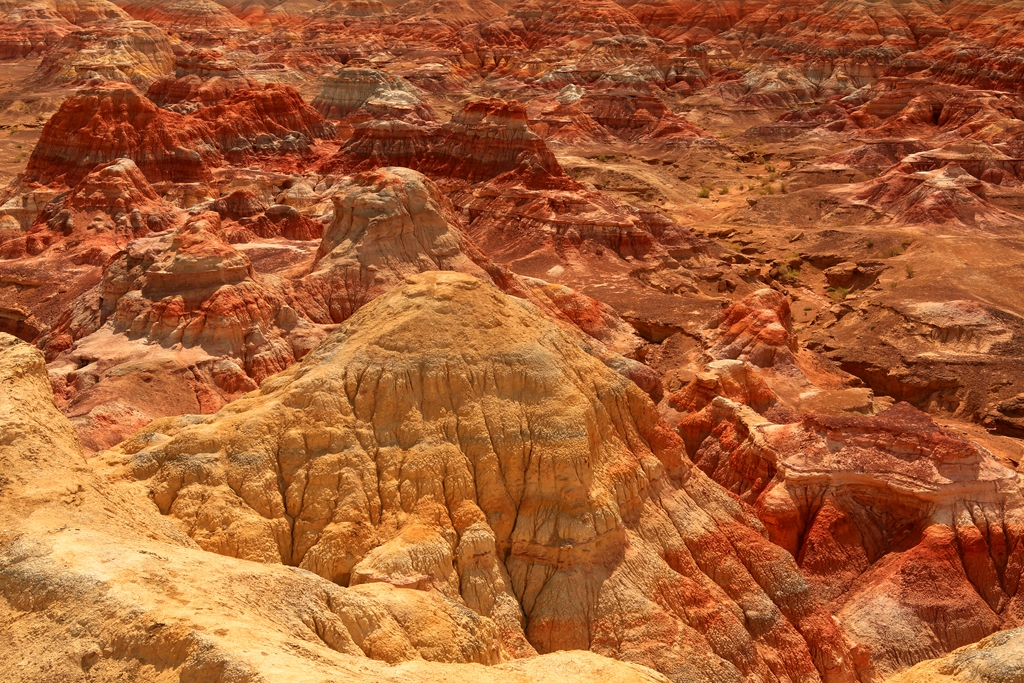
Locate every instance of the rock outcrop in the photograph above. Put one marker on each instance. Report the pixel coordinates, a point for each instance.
(487, 138)
(270, 118)
(436, 334)
(758, 330)
(995, 658)
(534, 221)
(256, 220)
(450, 361)
(382, 143)
(638, 116)
(945, 196)
(134, 52)
(98, 125)
(388, 225)
(215, 330)
(394, 223)
(108, 208)
(184, 15)
(200, 78)
(865, 504)
(350, 90)
(63, 520)
(30, 28)
(191, 288)
(550, 23)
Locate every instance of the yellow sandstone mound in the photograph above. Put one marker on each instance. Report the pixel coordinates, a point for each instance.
(450, 443)
(995, 659)
(95, 585)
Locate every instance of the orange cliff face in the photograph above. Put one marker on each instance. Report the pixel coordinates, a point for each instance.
(99, 125)
(868, 504)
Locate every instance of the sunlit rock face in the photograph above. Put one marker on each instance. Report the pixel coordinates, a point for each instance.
(452, 341)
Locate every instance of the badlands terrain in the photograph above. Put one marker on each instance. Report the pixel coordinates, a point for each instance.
(556, 341)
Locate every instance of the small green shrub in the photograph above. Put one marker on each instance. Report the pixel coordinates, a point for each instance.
(838, 293)
(789, 275)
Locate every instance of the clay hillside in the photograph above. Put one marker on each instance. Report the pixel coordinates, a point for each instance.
(511, 341)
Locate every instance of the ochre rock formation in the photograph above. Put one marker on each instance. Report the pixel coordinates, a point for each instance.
(271, 13)
(688, 22)
(349, 90)
(995, 658)
(193, 289)
(270, 118)
(758, 330)
(735, 380)
(945, 196)
(214, 329)
(393, 223)
(111, 121)
(388, 225)
(547, 22)
(382, 143)
(101, 214)
(596, 319)
(533, 221)
(256, 220)
(29, 28)
(133, 52)
(562, 122)
(638, 116)
(557, 478)
(487, 138)
(75, 538)
(463, 330)
(183, 15)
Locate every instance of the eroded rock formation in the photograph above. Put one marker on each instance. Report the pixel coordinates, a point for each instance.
(630, 507)
(867, 503)
(686, 333)
(63, 520)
